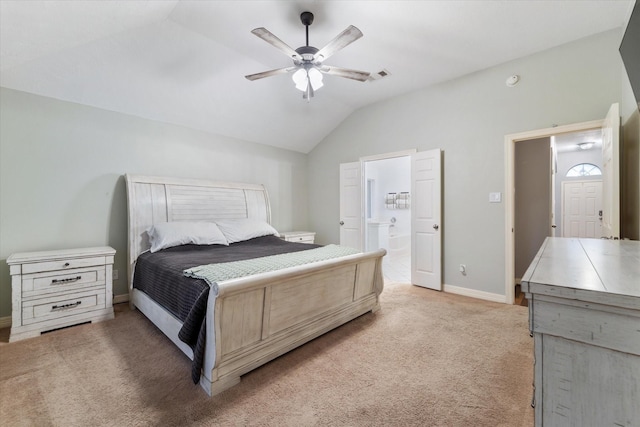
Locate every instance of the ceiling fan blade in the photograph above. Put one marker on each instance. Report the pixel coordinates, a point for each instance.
(361, 76)
(270, 38)
(342, 40)
(270, 73)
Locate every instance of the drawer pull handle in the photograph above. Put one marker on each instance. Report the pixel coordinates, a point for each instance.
(66, 264)
(63, 281)
(65, 306)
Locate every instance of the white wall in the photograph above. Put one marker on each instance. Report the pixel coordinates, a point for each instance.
(62, 166)
(468, 118)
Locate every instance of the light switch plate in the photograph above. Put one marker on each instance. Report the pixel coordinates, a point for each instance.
(495, 197)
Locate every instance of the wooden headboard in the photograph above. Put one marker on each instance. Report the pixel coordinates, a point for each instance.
(154, 199)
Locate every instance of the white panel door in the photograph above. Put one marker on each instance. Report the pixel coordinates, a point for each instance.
(351, 205)
(426, 266)
(611, 174)
(554, 162)
(582, 204)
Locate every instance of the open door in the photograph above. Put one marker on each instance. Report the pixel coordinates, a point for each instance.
(351, 205)
(426, 265)
(611, 174)
(553, 162)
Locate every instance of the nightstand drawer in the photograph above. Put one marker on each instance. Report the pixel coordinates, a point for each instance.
(298, 236)
(301, 239)
(62, 264)
(45, 283)
(54, 307)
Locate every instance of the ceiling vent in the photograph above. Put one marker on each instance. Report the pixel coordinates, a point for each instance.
(379, 75)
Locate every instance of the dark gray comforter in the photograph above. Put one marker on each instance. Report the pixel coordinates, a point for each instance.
(160, 276)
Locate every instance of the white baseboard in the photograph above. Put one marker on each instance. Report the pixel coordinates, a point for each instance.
(119, 299)
(475, 293)
(5, 322)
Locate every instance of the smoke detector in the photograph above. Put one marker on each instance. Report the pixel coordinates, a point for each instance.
(512, 80)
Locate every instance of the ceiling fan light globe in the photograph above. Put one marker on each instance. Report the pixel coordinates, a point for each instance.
(316, 85)
(300, 79)
(315, 78)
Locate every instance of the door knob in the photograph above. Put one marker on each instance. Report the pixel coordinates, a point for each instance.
(435, 226)
(341, 222)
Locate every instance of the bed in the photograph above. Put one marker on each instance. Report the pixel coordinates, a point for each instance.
(253, 319)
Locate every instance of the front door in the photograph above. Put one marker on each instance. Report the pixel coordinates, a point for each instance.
(581, 209)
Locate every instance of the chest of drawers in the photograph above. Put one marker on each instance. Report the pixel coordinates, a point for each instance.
(584, 313)
(55, 289)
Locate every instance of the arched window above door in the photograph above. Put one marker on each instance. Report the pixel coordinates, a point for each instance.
(584, 169)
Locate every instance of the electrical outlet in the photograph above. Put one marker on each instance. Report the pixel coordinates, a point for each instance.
(114, 275)
(463, 269)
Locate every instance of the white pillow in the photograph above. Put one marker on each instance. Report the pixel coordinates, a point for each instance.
(168, 234)
(239, 230)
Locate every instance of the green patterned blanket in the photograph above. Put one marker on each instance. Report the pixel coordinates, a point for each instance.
(213, 273)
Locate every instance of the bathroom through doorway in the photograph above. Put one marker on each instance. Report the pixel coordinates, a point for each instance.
(387, 204)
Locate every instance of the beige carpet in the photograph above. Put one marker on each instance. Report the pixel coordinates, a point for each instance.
(425, 359)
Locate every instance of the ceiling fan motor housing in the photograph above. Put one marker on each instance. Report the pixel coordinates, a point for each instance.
(307, 52)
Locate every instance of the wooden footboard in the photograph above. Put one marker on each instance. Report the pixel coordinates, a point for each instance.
(257, 319)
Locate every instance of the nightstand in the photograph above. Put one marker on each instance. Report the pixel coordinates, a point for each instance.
(54, 289)
(298, 236)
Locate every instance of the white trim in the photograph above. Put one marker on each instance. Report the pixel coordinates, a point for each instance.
(509, 199)
(473, 293)
(5, 322)
(119, 299)
(402, 153)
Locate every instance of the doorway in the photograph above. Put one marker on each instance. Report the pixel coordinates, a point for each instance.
(387, 225)
(609, 129)
(423, 201)
(558, 191)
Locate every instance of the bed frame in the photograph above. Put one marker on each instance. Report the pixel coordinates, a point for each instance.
(256, 318)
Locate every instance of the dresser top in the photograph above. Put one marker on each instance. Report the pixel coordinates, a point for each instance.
(29, 257)
(603, 266)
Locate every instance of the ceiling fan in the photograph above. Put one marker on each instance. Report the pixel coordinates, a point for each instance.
(308, 64)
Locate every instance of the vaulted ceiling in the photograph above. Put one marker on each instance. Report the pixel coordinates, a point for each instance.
(184, 62)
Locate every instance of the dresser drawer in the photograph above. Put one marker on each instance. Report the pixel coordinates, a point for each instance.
(58, 306)
(39, 284)
(62, 264)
